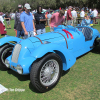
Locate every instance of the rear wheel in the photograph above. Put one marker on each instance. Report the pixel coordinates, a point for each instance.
(46, 73)
(5, 51)
(99, 45)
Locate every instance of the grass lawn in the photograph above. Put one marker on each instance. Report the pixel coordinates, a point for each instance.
(81, 82)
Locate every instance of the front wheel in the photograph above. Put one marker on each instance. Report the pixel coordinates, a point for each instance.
(46, 73)
(5, 51)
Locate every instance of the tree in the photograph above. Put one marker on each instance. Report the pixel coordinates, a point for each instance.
(12, 5)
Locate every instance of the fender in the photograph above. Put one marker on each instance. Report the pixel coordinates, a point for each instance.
(95, 32)
(9, 38)
(25, 63)
(27, 66)
(99, 35)
(46, 48)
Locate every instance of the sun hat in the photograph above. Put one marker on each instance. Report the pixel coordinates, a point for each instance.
(27, 6)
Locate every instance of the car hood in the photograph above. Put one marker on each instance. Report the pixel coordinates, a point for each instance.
(45, 37)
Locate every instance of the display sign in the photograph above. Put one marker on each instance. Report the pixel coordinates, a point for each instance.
(2, 89)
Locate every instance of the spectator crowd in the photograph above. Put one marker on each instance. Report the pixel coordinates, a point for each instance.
(29, 24)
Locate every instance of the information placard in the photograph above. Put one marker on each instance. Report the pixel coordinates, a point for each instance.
(2, 89)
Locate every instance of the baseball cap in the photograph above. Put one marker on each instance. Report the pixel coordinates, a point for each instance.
(27, 6)
(20, 6)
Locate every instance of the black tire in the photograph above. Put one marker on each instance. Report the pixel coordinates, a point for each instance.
(5, 51)
(48, 68)
(99, 46)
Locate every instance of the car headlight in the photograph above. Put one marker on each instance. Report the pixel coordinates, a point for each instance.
(7, 63)
(19, 69)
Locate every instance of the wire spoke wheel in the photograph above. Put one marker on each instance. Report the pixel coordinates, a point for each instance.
(46, 72)
(49, 72)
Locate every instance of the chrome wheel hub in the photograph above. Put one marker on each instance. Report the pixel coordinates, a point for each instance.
(49, 72)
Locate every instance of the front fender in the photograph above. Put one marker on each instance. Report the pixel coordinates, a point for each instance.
(51, 47)
(99, 36)
(25, 63)
(9, 38)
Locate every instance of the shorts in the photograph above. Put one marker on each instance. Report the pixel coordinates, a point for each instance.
(8, 22)
(40, 31)
(30, 34)
(69, 22)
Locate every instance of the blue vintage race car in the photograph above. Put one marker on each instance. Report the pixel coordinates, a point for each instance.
(45, 56)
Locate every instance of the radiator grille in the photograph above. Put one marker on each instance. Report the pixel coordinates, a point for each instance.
(16, 52)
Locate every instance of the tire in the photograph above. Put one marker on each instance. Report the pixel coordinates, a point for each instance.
(46, 73)
(99, 46)
(5, 51)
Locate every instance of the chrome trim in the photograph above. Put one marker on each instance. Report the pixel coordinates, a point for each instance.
(16, 52)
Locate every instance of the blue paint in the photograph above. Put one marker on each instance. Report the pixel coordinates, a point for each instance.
(32, 48)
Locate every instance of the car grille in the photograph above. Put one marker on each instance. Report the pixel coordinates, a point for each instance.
(16, 52)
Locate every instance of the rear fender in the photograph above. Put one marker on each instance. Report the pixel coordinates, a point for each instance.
(47, 48)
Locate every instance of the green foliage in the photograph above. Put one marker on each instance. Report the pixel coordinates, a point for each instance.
(11, 5)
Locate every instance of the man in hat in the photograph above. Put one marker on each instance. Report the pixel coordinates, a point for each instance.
(69, 16)
(17, 25)
(27, 21)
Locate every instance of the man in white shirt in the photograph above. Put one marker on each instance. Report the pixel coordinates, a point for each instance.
(82, 14)
(90, 10)
(65, 17)
(95, 14)
(49, 16)
(74, 16)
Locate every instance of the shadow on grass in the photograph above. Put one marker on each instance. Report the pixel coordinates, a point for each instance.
(65, 72)
(20, 77)
(2, 69)
(35, 90)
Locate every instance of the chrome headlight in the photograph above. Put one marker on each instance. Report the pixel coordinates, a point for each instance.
(19, 69)
(7, 63)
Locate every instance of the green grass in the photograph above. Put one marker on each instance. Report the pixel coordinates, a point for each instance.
(81, 82)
